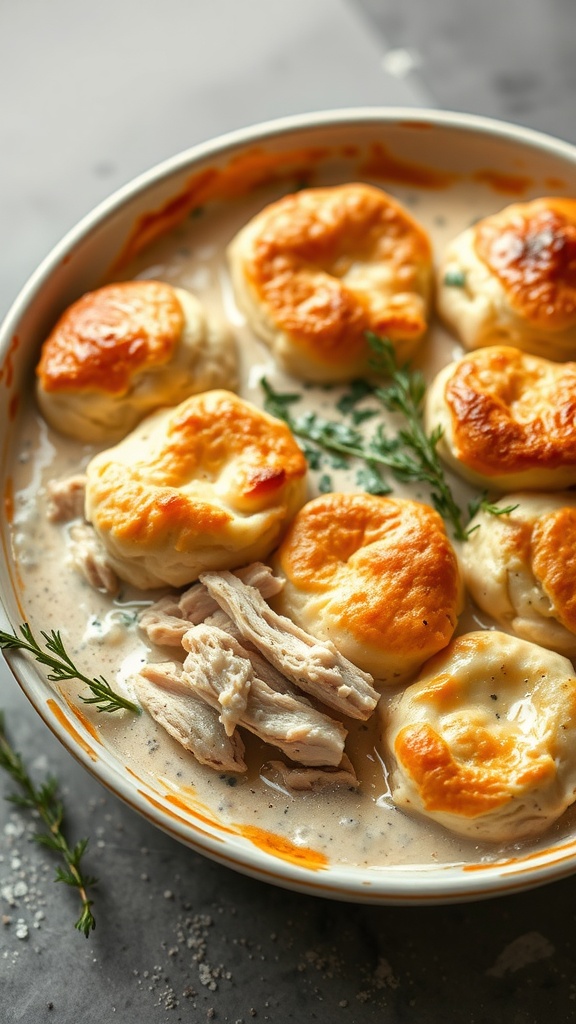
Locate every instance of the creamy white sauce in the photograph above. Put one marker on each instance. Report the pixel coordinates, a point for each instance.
(356, 828)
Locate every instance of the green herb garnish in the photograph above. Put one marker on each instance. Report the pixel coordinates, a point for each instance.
(44, 801)
(455, 278)
(358, 390)
(482, 503)
(410, 454)
(62, 667)
(325, 485)
(417, 459)
(368, 479)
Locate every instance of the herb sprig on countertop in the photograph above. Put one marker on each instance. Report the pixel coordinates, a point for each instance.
(45, 802)
(411, 455)
(62, 668)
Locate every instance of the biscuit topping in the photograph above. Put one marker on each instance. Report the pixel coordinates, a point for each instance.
(531, 247)
(511, 411)
(106, 335)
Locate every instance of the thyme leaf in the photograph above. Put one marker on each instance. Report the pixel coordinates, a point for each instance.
(44, 801)
(483, 503)
(455, 278)
(410, 454)
(56, 658)
(418, 459)
(498, 510)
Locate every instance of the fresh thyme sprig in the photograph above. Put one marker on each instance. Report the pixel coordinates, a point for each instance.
(411, 454)
(405, 394)
(44, 801)
(62, 667)
(330, 435)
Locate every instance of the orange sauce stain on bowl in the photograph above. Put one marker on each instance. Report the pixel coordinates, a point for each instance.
(16, 583)
(160, 805)
(13, 407)
(556, 184)
(190, 806)
(83, 719)
(349, 152)
(243, 172)
(191, 809)
(565, 848)
(7, 368)
(70, 729)
(278, 846)
(381, 163)
(149, 226)
(506, 184)
(421, 126)
(9, 500)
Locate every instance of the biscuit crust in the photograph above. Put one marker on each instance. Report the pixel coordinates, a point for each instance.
(125, 349)
(520, 567)
(378, 576)
(511, 279)
(483, 740)
(531, 248)
(508, 419)
(101, 339)
(210, 484)
(317, 269)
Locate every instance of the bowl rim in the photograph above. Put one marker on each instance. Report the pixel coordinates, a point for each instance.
(267, 130)
(404, 885)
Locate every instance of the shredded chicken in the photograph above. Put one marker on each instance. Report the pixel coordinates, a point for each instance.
(166, 621)
(196, 603)
(246, 667)
(88, 556)
(270, 675)
(218, 671)
(313, 779)
(163, 623)
(66, 499)
(167, 696)
(314, 666)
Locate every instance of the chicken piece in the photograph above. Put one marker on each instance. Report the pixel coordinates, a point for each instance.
(314, 666)
(312, 780)
(166, 621)
(197, 604)
(88, 556)
(66, 499)
(163, 623)
(165, 693)
(262, 668)
(217, 670)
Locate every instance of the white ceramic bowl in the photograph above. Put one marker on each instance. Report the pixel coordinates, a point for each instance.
(424, 150)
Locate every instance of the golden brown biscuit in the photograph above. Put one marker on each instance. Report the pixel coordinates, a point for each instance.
(316, 270)
(520, 567)
(377, 576)
(211, 484)
(511, 279)
(484, 741)
(508, 419)
(126, 349)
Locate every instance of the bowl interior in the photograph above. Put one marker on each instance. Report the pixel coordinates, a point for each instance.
(447, 162)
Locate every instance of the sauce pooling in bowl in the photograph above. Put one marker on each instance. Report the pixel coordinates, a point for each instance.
(351, 827)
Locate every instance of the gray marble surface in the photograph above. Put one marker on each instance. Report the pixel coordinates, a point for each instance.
(92, 95)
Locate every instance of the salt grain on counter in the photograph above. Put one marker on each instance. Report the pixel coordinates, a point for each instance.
(526, 949)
